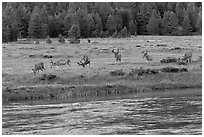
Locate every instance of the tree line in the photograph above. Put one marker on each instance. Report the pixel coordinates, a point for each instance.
(99, 19)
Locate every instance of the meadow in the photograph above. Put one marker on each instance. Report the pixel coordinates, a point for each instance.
(19, 58)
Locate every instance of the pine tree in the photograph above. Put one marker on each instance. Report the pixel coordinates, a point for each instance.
(132, 27)
(169, 6)
(22, 19)
(91, 24)
(69, 20)
(124, 32)
(98, 23)
(85, 27)
(36, 27)
(104, 11)
(186, 26)
(192, 14)
(74, 32)
(9, 24)
(199, 23)
(153, 25)
(173, 20)
(179, 10)
(5, 32)
(118, 19)
(111, 24)
(5, 27)
(165, 24)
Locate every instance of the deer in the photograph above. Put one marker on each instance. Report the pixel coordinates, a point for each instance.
(117, 55)
(38, 67)
(48, 40)
(60, 63)
(187, 56)
(61, 39)
(84, 61)
(147, 56)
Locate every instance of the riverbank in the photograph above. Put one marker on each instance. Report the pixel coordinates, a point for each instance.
(100, 86)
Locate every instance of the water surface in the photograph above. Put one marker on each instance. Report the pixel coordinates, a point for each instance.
(154, 113)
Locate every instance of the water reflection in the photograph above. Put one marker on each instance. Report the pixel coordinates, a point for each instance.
(153, 115)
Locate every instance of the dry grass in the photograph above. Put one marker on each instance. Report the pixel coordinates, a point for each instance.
(18, 59)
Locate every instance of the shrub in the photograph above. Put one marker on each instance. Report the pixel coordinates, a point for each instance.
(118, 72)
(124, 32)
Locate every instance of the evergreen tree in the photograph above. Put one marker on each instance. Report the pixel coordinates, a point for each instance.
(124, 32)
(98, 23)
(74, 32)
(173, 20)
(186, 26)
(51, 26)
(36, 27)
(192, 14)
(169, 7)
(199, 23)
(85, 27)
(5, 25)
(91, 24)
(9, 24)
(153, 25)
(161, 8)
(69, 20)
(132, 27)
(179, 10)
(104, 11)
(165, 24)
(118, 19)
(5, 32)
(111, 24)
(22, 19)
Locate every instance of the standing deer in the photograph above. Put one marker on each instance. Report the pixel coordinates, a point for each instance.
(147, 56)
(48, 40)
(37, 67)
(117, 55)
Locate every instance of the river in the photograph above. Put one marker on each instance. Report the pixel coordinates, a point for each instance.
(165, 112)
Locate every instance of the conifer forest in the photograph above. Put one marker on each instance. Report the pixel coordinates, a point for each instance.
(96, 19)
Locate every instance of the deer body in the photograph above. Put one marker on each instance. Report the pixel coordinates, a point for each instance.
(38, 67)
(187, 56)
(147, 56)
(118, 56)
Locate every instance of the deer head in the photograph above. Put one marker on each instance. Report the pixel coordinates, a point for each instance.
(145, 53)
(115, 52)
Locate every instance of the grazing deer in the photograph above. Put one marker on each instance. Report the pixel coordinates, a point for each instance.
(187, 56)
(84, 61)
(60, 63)
(89, 41)
(147, 56)
(117, 55)
(37, 67)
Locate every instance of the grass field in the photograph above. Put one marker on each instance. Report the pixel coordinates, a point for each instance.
(19, 59)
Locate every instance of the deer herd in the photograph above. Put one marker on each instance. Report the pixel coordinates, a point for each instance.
(86, 61)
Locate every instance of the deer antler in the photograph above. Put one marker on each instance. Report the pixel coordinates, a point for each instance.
(115, 52)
